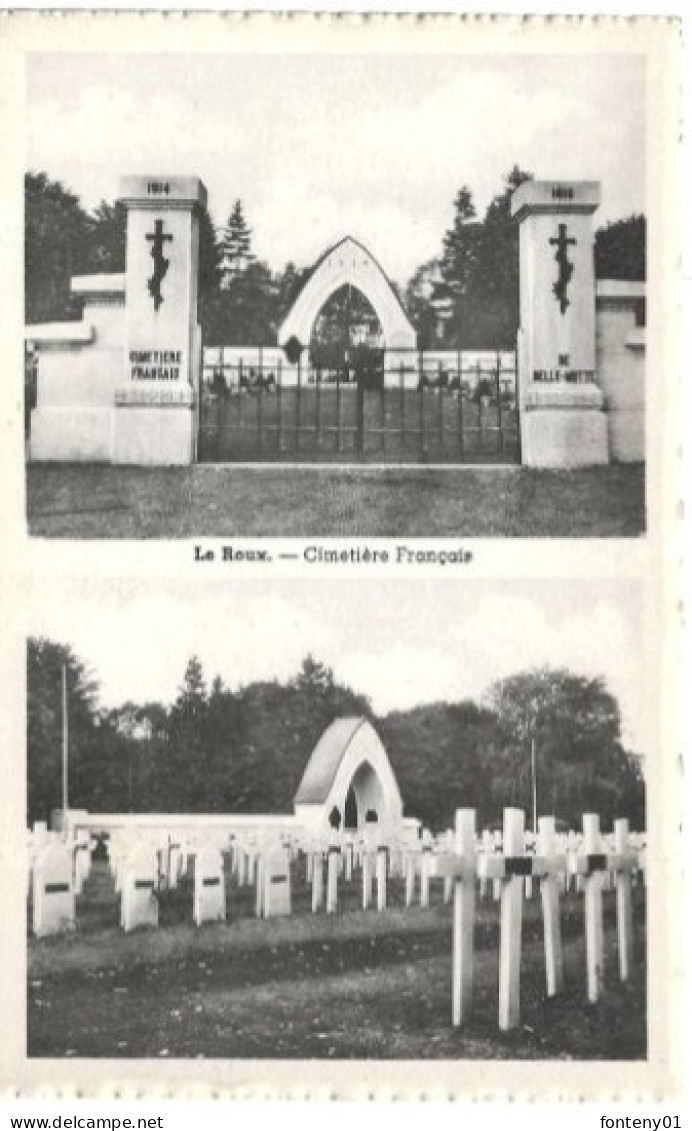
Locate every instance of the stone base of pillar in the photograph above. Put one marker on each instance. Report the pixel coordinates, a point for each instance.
(564, 438)
(564, 425)
(161, 435)
(71, 434)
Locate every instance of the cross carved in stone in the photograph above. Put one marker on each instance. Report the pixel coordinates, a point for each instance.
(562, 242)
(157, 240)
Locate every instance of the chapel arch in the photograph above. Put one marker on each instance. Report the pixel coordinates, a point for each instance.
(348, 263)
(368, 793)
(349, 771)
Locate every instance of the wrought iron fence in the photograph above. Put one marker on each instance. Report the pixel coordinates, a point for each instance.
(378, 406)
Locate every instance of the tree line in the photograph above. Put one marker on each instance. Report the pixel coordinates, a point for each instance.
(215, 749)
(466, 297)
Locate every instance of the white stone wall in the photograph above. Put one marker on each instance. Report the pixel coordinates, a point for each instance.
(80, 365)
(621, 367)
(186, 826)
(76, 376)
(108, 320)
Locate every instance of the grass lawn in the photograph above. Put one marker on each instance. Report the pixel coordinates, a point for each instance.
(352, 985)
(222, 500)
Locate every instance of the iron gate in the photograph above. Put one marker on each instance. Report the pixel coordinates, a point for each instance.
(379, 406)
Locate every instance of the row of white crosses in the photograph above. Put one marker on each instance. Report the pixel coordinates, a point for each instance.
(342, 857)
(141, 868)
(57, 871)
(246, 852)
(149, 868)
(245, 859)
(142, 865)
(510, 868)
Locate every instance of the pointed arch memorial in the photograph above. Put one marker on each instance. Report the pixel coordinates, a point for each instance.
(349, 772)
(348, 263)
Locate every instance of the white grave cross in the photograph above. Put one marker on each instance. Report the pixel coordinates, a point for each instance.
(460, 867)
(139, 903)
(53, 891)
(276, 882)
(210, 889)
(591, 866)
(333, 861)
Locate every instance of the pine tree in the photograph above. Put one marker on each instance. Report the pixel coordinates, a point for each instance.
(184, 781)
(496, 283)
(192, 696)
(460, 243)
(314, 678)
(460, 256)
(236, 245)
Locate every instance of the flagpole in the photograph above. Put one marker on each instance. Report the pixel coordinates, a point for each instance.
(65, 798)
(533, 784)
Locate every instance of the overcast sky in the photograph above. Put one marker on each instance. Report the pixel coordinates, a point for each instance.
(318, 148)
(400, 642)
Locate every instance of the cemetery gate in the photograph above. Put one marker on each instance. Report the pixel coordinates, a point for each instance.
(379, 406)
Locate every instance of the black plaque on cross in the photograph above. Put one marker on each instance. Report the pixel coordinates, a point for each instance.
(157, 240)
(562, 242)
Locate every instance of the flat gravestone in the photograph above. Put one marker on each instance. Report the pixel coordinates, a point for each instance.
(210, 889)
(139, 903)
(53, 891)
(277, 883)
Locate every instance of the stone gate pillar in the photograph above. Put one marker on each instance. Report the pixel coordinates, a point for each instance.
(562, 420)
(155, 412)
